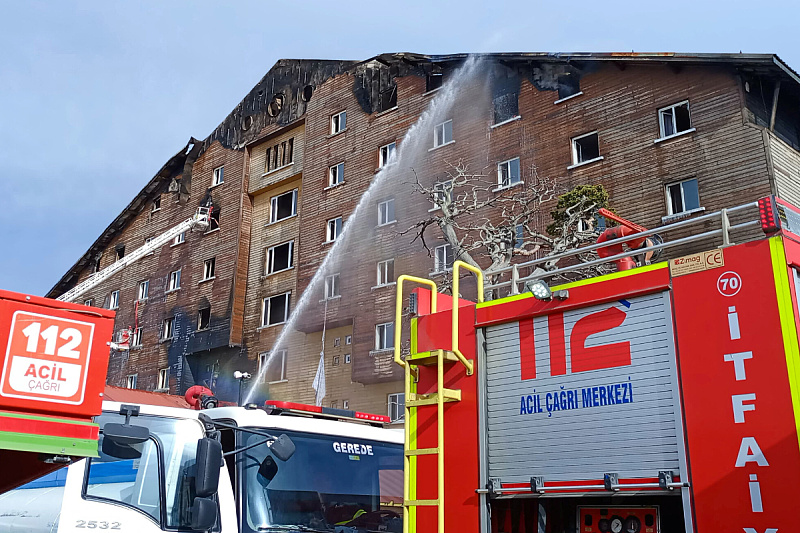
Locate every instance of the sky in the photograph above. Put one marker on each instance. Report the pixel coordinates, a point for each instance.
(95, 96)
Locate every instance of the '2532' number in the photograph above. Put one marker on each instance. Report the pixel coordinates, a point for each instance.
(94, 524)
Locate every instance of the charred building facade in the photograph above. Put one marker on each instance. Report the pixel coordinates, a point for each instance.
(669, 136)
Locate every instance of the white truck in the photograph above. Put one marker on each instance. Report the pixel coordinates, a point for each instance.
(288, 468)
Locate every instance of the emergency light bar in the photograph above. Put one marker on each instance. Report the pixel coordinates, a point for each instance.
(277, 407)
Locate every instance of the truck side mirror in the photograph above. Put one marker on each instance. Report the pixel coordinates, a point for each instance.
(125, 434)
(203, 514)
(209, 462)
(283, 447)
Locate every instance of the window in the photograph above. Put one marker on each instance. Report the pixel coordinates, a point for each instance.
(163, 379)
(334, 404)
(156, 205)
(272, 369)
(397, 406)
(508, 173)
(336, 360)
(203, 318)
(88, 302)
(338, 122)
(443, 258)
(348, 340)
(213, 221)
(219, 176)
(336, 175)
(568, 85)
(519, 235)
(283, 206)
(174, 282)
(506, 107)
(136, 339)
(333, 229)
(332, 286)
(168, 328)
(433, 81)
(280, 257)
(347, 358)
(130, 381)
(386, 212)
(119, 251)
(275, 309)
(288, 151)
(674, 119)
(113, 301)
(442, 193)
(384, 336)
(386, 153)
(345, 404)
(385, 272)
(337, 342)
(443, 133)
(280, 155)
(585, 148)
(179, 239)
(209, 267)
(682, 197)
(144, 289)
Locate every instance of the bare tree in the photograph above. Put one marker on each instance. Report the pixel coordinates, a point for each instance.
(466, 213)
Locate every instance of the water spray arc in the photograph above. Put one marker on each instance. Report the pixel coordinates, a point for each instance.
(412, 148)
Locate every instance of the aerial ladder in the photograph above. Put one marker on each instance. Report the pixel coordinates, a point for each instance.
(200, 220)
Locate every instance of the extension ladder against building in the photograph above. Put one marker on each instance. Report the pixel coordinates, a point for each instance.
(436, 398)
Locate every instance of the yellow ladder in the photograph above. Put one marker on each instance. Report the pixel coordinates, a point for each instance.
(437, 398)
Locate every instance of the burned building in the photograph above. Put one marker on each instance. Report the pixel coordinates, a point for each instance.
(669, 136)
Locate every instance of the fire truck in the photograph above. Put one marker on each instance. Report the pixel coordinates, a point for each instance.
(663, 397)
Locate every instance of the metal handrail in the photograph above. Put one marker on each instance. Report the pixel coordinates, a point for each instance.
(454, 327)
(722, 214)
(398, 314)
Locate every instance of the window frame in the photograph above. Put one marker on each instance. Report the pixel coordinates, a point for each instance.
(384, 160)
(394, 217)
(136, 337)
(339, 174)
(133, 381)
(273, 206)
(668, 197)
(437, 141)
(661, 129)
(388, 339)
(162, 383)
(200, 318)
(262, 359)
(269, 262)
(168, 327)
(332, 290)
(265, 314)
(333, 232)
(213, 269)
(113, 300)
(393, 399)
(340, 125)
(143, 295)
(507, 164)
(156, 205)
(218, 176)
(174, 281)
(179, 239)
(574, 149)
(382, 273)
(436, 265)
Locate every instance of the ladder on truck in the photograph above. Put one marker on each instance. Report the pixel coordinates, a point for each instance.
(438, 398)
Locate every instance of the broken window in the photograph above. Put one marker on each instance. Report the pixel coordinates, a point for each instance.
(288, 151)
(283, 206)
(433, 81)
(88, 302)
(113, 301)
(674, 119)
(119, 250)
(272, 369)
(168, 328)
(163, 379)
(332, 286)
(203, 318)
(384, 336)
(506, 107)
(174, 282)
(218, 176)
(388, 98)
(519, 235)
(144, 290)
(386, 154)
(443, 133)
(213, 218)
(333, 229)
(275, 309)
(336, 175)
(682, 196)
(156, 205)
(568, 85)
(508, 173)
(443, 258)
(385, 272)
(442, 194)
(337, 342)
(585, 148)
(209, 267)
(335, 361)
(179, 238)
(280, 257)
(386, 212)
(338, 122)
(136, 339)
(130, 381)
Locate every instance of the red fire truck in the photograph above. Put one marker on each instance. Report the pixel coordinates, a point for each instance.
(663, 398)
